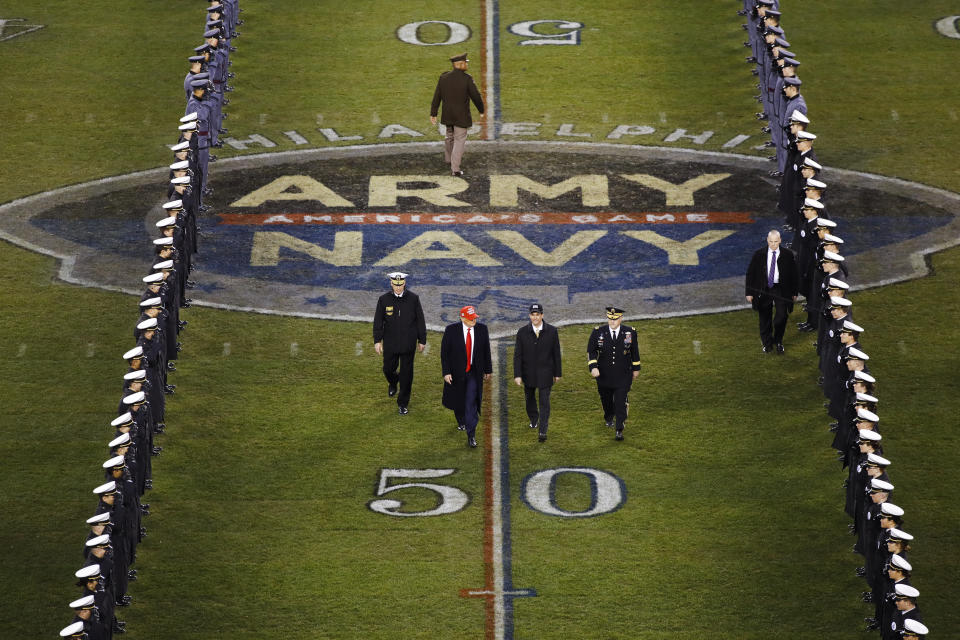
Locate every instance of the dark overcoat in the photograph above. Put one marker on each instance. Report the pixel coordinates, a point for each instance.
(536, 360)
(453, 361)
(455, 89)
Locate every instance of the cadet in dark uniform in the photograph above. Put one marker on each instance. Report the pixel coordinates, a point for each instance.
(536, 365)
(455, 89)
(399, 331)
(613, 358)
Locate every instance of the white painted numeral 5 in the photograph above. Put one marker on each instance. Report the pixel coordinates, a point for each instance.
(452, 499)
(526, 30)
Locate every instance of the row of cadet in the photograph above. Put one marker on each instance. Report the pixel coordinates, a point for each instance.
(844, 370)
(116, 528)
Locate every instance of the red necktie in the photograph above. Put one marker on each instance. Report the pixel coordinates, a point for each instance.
(469, 348)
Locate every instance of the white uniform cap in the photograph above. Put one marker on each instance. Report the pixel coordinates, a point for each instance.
(850, 326)
(81, 603)
(99, 540)
(810, 202)
(89, 570)
(150, 302)
(900, 535)
(100, 517)
(805, 135)
(189, 126)
(180, 165)
(873, 436)
(901, 563)
(72, 630)
(180, 146)
(122, 439)
(913, 626)
(816, 184)
(859, 355)
(823, 222)
(869, 416)
(890, 509)
(190, 117)
(829, 237)
(134, 398)
(866, 397)
(181, 180)
(140, 374)
(121, 419)
(838, 284)
(797, 116)
(165, 264)
(106, 487)
(830, 255)
(873, 458)
(133, 353)
(397, 275)
(840, 302)
(810, 162)
(906, 590)
(173, 204)
(149, 323)
(169, 221)
(863, 375)
(160, 242)
(153, 277)
(880, 485)
(115, 461)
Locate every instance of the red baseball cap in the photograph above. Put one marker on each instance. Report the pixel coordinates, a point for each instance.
(469, 313)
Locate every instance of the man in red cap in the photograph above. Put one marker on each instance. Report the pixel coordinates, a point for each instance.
(465, 361)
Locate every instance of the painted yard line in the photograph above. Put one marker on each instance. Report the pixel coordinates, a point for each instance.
(491, 44)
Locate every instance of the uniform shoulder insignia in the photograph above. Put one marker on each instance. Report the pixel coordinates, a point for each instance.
(596, 328)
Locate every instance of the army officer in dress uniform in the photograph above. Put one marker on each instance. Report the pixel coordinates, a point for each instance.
(455, 89)
(613, 358)
(399, 331)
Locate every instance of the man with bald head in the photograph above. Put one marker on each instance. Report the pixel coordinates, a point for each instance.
(771, 288)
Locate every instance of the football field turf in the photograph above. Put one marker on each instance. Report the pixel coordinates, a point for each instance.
(721, 515)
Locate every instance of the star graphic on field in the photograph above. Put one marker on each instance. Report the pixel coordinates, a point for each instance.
(658, 299)
(320, 300)
(207, 288)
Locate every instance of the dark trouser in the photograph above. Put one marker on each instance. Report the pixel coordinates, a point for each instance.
(538, 415)
(773, 300)
(404, 380)
(614, 401)
(471, 413)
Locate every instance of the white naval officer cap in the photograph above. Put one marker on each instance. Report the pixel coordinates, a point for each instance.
(816, 184)
(139, 374)
(813, 164)
(169, 221)
(163, 265)
(805, 135)
(797, 116)
(857, 354)
(187, 126)
(890, 509)
(75, 629)
(180, 165)
(99, 540)
(879, 461)
(147, 325)
(905, 590)
(100, 518)
(900, 535)
(164, 241)
(867, 415)
(836, 301)
(135, 398)
(153, 277)
(915, 627)
(86, 602)
(864, 377)
(826, 223)
(120, 440)
(151, 302)
(114, 463)
(136, 352)
(173, 204)
(850, 326)
(880, 485)
(833, 257)
(122, 419)
(88, 571)
(106, 487)
(900, 562)
(180, 146)
(867, 434)
(813, 204)
(190, 117)
(829, 237)
(180, 180)
(866, 397)
(836, 283)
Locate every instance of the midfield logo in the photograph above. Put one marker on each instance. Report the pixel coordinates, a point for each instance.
(575, 227)
(13, 27)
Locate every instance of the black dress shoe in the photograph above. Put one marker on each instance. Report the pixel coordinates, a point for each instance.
(458, 174)
(392, 390)
(769, 143)
(542, 437)
(148, 484)
(609, 422)
(619, 435)
(132, 575)
(160, 427)
(867, 596)
(472, 443)
(171, 366)
(764, 129)
(532, 425)
(402, 411)
(461, 427)
(779, 349)
(760, 115)
(775, 174)
(767, 348)
(156, 450)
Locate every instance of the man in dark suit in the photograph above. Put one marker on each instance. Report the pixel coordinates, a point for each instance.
(399, 331)
(771, 285)
(466, 362)
(536, 365)
(455, 89)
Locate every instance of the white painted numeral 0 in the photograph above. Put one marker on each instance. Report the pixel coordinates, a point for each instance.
(607, 492)
(526, 30)
(410, 33)
(452, 499)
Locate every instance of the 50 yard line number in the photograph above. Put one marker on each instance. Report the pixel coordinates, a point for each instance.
(607, 492)
(531, 30)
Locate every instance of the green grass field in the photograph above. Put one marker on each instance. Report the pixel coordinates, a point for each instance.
(733, 525)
